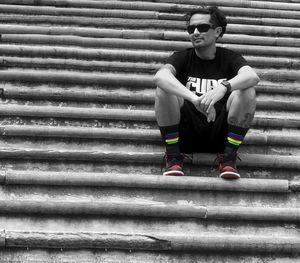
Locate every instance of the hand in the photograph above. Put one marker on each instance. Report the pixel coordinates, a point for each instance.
(198, 105)
(209, 113)
(209, 99)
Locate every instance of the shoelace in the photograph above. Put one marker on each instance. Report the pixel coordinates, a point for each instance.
(174, 159)
(216, 159)
(185, 156)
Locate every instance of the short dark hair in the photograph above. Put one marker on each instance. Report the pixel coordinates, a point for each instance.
(217, 17)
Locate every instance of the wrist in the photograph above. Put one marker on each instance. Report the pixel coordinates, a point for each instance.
(227, 86)
(193, 97)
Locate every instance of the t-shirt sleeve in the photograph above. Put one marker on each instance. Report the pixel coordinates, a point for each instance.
(178, 61)
(237, 61)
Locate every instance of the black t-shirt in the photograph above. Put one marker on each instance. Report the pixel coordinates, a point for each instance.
(201, 75)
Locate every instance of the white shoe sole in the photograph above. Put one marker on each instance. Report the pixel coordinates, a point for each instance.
(173, 173)
(230, 175)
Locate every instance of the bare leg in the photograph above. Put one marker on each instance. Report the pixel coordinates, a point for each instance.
(167, 108)
(241, 107)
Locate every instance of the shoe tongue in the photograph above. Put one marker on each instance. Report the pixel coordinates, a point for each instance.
(229, 151)
(174, 158)
(173, 150)
(229, 158)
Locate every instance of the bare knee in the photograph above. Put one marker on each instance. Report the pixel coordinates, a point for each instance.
(249, 95)
(246, 98)
(241, 107)
(160, 94)
(162, 97)
(167, 108)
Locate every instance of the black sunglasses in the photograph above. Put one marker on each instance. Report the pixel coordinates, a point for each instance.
(200, 28)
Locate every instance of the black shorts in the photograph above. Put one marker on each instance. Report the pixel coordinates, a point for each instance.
(197, 135)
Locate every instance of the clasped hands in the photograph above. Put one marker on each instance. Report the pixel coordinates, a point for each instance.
(205, 103)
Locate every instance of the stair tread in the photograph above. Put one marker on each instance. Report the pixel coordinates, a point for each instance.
(129, 153)
(145, 5)
(146, 208)
(76, 170)
(167, 242)
(284, 138)
(11, 177)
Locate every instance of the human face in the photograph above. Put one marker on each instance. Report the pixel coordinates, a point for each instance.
(203, 39)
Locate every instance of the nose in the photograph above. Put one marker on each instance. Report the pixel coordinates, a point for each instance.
(196, 32)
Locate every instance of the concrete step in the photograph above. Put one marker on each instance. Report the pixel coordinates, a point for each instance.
(281, 91)
(123, 50)
(191, 183)
(108, 153)
(276, 102)
(255, 144)
(142, 97)
(152, 225)
(78, 180)
(114, 54)
(278, 5)
(138, 14)
(168, 7)
(284, 244)
(124, 28)
(274, 119)
(149, 167)
(143, 203)
(105, 255)
(8, 62)
(256, 137)
(168, 40)
(48, 230)
(137, 99)
(269, 87)
(34, 231)
(104, 78)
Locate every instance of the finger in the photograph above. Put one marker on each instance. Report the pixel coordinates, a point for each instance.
(202, 106)
(208, 118)
(211, 105)
(200, 109)
(207, 100)
(201, 97)
(211, 116)
(214, 116)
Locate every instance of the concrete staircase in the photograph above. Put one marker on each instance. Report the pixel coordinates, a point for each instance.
(80, 151)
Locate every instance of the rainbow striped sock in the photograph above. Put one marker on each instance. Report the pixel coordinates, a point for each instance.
(172, 138)
(235, 139)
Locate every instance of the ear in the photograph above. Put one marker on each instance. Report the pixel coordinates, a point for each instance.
(218, 31)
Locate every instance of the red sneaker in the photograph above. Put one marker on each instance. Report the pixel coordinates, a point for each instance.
(227, 166)
(174, 164)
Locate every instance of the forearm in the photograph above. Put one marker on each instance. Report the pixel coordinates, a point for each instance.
(246, 78)
(166, 81)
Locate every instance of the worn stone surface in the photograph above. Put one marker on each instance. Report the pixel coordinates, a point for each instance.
(77, 98)
(111, 256)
